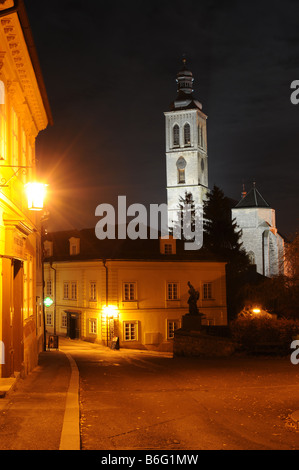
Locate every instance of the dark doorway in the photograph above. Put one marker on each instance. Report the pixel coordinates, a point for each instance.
(73, 325)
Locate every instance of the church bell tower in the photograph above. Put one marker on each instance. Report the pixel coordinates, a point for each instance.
(186, 147)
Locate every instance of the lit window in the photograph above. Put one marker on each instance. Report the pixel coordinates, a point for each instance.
(129, 291)
(66, 289)
(130, 331)
(93, 291)
(172, 291)
(93, 326)
(187, 134)
(207, 291)
(176, 135)
(63, 321)
(49, 319)
(49, 287)
(74, 290)
(172, 325)
(181, 176)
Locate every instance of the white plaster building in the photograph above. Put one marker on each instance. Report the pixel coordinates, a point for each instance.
(144, 283)
(261, 240)
(186, 147)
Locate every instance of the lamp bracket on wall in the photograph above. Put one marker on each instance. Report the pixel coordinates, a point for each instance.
(4, 182)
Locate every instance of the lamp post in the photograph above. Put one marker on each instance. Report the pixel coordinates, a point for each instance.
(111, 312)
(36, 193)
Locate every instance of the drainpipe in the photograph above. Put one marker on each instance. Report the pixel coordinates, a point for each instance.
(51, 266)
(106, 268)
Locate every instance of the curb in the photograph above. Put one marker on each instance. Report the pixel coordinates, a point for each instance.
(70, 434)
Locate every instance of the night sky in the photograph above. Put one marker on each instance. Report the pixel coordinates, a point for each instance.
(110, 70)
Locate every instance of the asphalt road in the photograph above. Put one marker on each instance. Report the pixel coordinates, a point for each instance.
(138, 400)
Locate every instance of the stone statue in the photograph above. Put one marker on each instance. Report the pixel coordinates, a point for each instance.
(192, 301)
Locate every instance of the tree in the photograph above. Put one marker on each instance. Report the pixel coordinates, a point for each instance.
(188, 218)
(223, 238)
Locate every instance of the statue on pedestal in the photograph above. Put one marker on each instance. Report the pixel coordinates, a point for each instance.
(192, 301)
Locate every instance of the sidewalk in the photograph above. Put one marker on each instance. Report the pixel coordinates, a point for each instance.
(41, 412)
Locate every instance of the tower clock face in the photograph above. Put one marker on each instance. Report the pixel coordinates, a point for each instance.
(181, 163)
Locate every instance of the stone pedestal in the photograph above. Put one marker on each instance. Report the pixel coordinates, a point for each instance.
(192, 322)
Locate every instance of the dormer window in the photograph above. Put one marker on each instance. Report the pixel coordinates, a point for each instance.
(48, 249)
(176, 135)
(168, 245)
(187, 135)
(74, 246)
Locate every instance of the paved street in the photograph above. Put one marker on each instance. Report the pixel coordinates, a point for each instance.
(142, 400)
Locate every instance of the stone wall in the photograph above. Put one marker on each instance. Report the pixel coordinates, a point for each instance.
(197, 343)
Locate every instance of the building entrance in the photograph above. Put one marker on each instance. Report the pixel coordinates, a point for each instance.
(73, 325)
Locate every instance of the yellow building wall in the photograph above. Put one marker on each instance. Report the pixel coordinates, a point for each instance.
(22, 117)
(150, 311)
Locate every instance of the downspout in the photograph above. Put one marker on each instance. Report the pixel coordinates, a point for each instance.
(107, 325)
(106, 268)
(51, 266)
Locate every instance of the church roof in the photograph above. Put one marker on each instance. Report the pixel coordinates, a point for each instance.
(185, 99)
(252, 199)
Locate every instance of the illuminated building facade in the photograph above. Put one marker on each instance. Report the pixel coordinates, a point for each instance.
(142, 282)
(24, 112)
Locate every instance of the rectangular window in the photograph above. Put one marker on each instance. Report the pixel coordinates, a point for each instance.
(93, 291)
(93, 326)
(74, 290)
(130, 331)
(168, 249)
(49, 319)
(66, 290)
(129, 291)
(207, 291)
(3, 129)
(172, 291)
(63, 321)
(171, 326)
(49, 287)
(15, 137)
(181, 176)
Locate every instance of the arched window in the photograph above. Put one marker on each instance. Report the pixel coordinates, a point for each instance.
(251, 257)
(187, 134)
(181, 165)
(176, 135)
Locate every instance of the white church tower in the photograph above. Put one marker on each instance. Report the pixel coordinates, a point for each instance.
(260, 238)
(186, 147)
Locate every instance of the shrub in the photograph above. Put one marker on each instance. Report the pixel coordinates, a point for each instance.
(250, 332)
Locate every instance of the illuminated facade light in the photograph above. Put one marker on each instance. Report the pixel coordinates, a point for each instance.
(35, 195)
(111, 311)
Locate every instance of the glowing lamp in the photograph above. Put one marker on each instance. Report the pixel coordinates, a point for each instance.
(48, 301)
(256, 310)
(35, 195)
(111, 311)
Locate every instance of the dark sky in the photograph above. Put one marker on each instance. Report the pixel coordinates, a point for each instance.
(110, 70)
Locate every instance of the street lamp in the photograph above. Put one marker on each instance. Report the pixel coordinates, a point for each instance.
(35, 195)
(111, 312)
